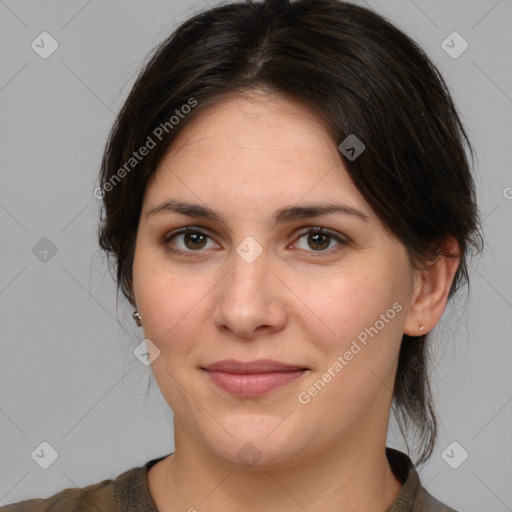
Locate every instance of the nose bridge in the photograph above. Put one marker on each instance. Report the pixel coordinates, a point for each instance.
(248, 299)
(248, 274)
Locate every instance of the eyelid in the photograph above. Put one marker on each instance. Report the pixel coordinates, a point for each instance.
(325, 231)
(182, 231)
(342, 240)
(186, 229)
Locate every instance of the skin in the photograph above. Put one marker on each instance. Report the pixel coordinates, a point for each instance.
(302, 301)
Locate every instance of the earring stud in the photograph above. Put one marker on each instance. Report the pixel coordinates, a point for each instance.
(421, 328)
(138, 319)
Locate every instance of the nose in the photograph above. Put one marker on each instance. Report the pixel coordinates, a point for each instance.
(251, 300)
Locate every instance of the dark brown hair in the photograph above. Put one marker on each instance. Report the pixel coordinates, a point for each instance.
(362, 76)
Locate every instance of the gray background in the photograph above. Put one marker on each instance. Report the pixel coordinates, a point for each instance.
(68, 373)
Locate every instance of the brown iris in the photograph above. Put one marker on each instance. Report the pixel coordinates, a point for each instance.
(319, 239)
(194, 241)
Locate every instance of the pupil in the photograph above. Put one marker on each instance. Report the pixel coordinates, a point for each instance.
(194, 240)
(319, 239)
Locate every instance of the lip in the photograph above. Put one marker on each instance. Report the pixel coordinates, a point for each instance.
(252, 378)
(249, 367)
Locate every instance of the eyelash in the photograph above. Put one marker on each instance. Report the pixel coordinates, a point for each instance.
(342, 241)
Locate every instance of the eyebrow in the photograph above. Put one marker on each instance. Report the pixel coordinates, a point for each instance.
(286, 214)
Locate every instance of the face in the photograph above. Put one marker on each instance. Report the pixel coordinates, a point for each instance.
(266, 271)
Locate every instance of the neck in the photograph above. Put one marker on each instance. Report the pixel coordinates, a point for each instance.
(352, 477)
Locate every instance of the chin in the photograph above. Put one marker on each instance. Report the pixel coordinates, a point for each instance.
(256, 449)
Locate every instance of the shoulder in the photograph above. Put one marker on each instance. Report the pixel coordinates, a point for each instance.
(95, 497)
(129, 492)
(413, 497)
(427, 503)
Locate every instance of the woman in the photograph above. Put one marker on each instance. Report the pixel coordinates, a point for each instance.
(289, 206)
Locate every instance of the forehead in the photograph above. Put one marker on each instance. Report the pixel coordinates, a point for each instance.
(253, 127)
(255, 147)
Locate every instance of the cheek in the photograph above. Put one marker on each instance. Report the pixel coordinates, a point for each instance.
(172, 304)
(166, 307)
(344, 306)
(357, 330)
(357, 340)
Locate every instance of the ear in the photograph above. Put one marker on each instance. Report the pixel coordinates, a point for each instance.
(430, 290)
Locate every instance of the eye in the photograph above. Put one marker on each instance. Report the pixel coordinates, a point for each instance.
(319, 240)
(188, 240)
